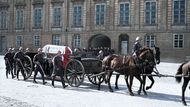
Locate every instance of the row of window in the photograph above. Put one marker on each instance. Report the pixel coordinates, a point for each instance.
(178, 40)
(179, 13)
(150, 40)
(56, 40)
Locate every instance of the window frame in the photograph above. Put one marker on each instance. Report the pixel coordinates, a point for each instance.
(148, 38)
(39, 18)
(77, 41)
(150, 16)
(179, 15)
(19, 18)
(78, 23)
(3, 18)
(20, 42)
(56, 22)
(119, 19)
(36, 41)
(178, 41)
(104, 20)
(56, 39)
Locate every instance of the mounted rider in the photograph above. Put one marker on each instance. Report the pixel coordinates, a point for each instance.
(136, 49)
(58, 68)
(20, 58)
(8, 62)
(39, 61)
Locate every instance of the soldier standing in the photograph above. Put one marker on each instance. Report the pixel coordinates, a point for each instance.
(20, 57)
(8, 62)
(14, 61)
(101, 55)
(39, 61)
(58, 68)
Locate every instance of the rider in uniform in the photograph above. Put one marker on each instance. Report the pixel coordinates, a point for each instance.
(20, 57)
(39, 61)
(58, 68)
(8, 62)
(137, 46)
(136, 49)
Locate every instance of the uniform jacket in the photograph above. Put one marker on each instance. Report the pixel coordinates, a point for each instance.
(58, 67)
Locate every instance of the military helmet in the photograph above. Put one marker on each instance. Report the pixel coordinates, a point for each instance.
(138, 38)
(39, 49)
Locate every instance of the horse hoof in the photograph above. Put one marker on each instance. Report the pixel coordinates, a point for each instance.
(147, 88)
(139, 92)
(145, 93)
(111, 90)
(184, 103)
(131, 94)
(116, 88)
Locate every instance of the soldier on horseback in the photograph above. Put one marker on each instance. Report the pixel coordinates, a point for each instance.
(39, 61)
(20, 58)
(8, 62)
(58, 68)
(137, 46)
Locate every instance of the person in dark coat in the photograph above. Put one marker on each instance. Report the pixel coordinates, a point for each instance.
(8, 63)
(14, 61)
(27, 50)
(39, 61)
(58, 68)
(101, 55)
(20, 57)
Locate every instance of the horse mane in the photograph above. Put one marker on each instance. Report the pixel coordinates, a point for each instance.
(144, 51)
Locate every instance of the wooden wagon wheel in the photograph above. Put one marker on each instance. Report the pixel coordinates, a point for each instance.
(28, 66)
(96, 79)
(74, 73)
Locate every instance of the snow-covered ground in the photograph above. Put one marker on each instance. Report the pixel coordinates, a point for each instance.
(166, 92)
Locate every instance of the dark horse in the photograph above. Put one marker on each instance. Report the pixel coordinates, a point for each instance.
(184, 69)
(127, 66)
(148, 69)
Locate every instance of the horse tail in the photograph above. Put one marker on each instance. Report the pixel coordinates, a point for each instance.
(179, 71)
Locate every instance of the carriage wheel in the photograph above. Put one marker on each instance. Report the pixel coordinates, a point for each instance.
(96, 79)
(28, 65)
(74, 73)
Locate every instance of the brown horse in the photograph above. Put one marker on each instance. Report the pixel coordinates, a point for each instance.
(184, 69)
(127, 66)
(149, 68)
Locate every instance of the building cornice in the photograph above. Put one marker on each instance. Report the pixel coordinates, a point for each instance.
(38, 2)
(57, 1)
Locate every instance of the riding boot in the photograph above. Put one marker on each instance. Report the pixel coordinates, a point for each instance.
(6, 73)
(12, 74)
(34, 81)
(44, 82)
(63, 83)
(52, 83)
(17, 74)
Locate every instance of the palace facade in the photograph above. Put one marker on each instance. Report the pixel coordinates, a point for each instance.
(97, 23)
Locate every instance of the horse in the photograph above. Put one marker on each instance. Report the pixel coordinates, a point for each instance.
(184, 69)
(127, 66)
(148, 69)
